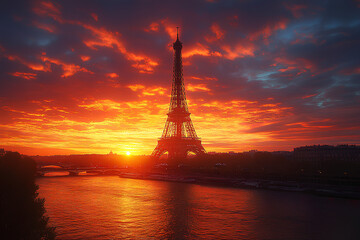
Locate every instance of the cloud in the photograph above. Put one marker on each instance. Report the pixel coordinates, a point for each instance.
(238, 51)
(101, 37)
(85, 58)
(200, 50)
(197, 87)
(267, 75)
(112, 75)
(47, 8)
(30, 65)
(296, 9)
(47, 27)
(27, 76)
(94, 16)
(68, 69)
(148, 91)
(166, 25)
(104, 38)
(218, 33)
(267, 31)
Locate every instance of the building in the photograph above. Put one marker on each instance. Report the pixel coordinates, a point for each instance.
(316, 153)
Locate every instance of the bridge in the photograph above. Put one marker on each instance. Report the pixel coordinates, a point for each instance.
(74, 171)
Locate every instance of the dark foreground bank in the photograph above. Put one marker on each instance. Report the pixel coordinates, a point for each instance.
(21, 211)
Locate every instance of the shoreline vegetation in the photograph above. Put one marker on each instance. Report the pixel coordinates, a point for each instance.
(22, 212)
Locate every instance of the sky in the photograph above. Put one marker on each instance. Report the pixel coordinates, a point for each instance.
(91, 76)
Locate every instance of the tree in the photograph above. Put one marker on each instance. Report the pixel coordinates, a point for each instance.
(22, 211)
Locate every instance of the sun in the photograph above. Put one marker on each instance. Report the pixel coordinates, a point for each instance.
(128, 153)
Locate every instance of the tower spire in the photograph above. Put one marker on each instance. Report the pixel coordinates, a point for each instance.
(179, 136)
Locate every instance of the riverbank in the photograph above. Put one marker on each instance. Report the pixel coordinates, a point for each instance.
(319, 189)
(315, 188)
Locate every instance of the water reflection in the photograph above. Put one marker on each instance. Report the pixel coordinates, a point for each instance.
(56, 174)
(66, 173)
(177, 210)
(108, 207)
(226, 213)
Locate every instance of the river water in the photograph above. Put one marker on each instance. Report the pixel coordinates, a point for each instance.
(110, 207)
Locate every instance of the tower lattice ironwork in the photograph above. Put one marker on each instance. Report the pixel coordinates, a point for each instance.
(179, 136)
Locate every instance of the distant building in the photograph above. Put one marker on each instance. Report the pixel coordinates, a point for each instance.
(283, 153)
(251, 152)
(316, 153)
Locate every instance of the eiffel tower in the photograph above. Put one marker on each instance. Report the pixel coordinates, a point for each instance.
(179, 136)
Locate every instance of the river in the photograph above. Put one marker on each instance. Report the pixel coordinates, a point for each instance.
(109, 207)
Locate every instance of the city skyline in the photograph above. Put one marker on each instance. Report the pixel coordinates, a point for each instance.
(79, 78)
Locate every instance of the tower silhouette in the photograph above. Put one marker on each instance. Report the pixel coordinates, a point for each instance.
(179, 136)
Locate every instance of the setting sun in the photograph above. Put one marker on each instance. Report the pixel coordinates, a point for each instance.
(128, 153)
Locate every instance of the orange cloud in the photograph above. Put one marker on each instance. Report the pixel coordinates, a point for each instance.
(309, 96)
(197, 88)
(249, 111)
(27, 76)
(102, 37)
(238, 51)
(154, 27)
(217, 31)
(136, 87)
(302, 65)
(44, 26)
(154, 91)
(109, 39)
(112, 82)
(287, 69)
(170, 28)
(203, 78)
(200, 50)
(267, 31)
(145, 67)
(31, 65)
(69, 69)
(49, 9)
(103, 105)
(167, 26)
(85, 58)
(148, 91)
(310, 125)
(112, 75)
